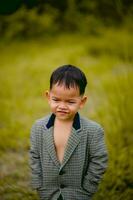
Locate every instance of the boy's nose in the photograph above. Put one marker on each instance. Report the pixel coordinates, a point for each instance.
(62, 106)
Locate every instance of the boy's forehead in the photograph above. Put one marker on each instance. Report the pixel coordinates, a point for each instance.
(61, 89)
(63, 86)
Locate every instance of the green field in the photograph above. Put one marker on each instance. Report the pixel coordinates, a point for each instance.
(25, 67)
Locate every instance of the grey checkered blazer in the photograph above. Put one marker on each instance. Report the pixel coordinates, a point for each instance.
(84, 163)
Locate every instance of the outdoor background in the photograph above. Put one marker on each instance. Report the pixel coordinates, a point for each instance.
(36, 37)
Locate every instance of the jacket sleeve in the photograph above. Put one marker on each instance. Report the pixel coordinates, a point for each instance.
(35, 163)
(98, 162)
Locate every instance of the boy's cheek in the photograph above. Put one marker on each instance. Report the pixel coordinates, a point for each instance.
(51, 103)
(81, 106)
(53, 107)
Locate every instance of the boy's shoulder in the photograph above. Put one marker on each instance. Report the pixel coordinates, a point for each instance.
(41, 122)
(91, 125)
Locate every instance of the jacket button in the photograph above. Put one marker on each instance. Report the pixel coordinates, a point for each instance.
(61, 172)
(62, 186)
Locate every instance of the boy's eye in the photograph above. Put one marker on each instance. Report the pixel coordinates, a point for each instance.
(55, 100)
(71, 102)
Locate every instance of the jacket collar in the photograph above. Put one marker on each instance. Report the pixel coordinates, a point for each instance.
(76, 121)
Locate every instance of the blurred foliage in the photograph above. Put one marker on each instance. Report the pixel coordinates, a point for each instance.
(28, 24)
(37, 18)
(122, 48)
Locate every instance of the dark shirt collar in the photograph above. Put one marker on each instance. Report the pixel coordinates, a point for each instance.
(76, 121)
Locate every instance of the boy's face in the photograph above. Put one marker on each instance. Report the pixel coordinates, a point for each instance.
(65, 102)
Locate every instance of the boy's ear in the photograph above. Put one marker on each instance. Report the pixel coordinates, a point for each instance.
(83, 101)
(46, 94)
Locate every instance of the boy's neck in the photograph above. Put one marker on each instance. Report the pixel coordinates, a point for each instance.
(63, 122)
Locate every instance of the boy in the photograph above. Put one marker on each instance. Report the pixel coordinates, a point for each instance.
(68, 155)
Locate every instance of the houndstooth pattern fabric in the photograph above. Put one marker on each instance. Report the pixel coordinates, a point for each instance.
(84, 163)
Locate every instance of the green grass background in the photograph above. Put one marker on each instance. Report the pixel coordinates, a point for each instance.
(25, 68)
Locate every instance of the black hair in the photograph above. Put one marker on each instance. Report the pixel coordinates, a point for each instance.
(70, 76)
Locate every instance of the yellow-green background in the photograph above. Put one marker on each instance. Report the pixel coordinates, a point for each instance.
(25, 68)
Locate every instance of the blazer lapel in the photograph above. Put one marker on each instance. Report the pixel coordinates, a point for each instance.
(49, 142)
(73, 141)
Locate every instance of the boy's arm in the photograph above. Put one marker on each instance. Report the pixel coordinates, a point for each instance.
(35, 159)
(98, 162)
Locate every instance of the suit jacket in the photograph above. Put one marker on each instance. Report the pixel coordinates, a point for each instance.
(84, 162)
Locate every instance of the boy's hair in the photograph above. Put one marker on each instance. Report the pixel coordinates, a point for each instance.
(70, 76)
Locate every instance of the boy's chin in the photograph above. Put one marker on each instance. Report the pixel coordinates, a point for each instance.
(64, 117)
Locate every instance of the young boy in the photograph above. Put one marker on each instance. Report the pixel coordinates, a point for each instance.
(68, 155)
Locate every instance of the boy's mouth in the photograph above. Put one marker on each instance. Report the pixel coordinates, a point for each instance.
(62, 112)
